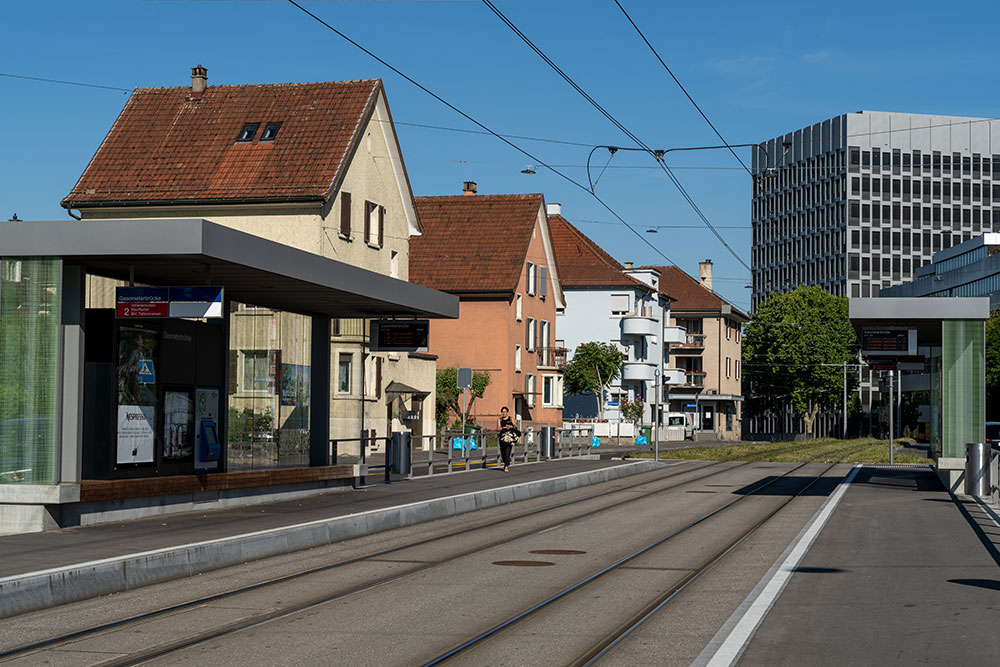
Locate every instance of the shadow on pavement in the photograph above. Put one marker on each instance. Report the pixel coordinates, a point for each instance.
(818, 570)
(774, 485)
(978, 583)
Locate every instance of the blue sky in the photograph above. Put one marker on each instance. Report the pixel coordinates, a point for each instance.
(757, 69)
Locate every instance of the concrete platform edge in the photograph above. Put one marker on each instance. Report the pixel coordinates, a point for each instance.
(50, 588)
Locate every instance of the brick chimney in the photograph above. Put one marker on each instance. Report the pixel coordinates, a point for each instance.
(199, 82)
(469, 188)
(705, 273)
(628, 266)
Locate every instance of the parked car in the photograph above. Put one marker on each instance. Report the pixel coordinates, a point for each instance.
(993, 433)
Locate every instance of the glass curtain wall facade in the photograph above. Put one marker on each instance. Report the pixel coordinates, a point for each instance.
(30, 318)
(269, 388)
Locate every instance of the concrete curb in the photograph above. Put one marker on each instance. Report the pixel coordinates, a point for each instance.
(50, 588)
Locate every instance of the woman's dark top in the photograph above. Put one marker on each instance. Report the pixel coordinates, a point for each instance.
(506, 422)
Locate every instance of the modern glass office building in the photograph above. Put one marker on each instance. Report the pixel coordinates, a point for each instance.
(858, 203)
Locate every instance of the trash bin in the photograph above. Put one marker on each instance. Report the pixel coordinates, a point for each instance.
(977, 469)
(401, 453)
(547, 447)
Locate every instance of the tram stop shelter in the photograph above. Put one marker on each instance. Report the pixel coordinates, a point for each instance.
(948, 337)
(103, 412)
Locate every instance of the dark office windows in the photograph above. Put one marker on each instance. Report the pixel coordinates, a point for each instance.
(906, 161)
(896, 187)
(865, 213)
(895, 241)
(976, 166)
(916, 163)
(895, 161)
(866, 265)
(855, 186)
(947, 163)
(937, 189)
(916, 189)
(855, 159)
(927, 162)
(937, 217)
(996, 166)
(966, 166)
(875, 237)
(866, 159)
(855, 239)
(927, 214)
(854, 211)
(976, 192)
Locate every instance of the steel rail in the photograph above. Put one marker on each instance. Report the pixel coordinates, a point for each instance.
(146, 616)
(626, 629)
(496, 629)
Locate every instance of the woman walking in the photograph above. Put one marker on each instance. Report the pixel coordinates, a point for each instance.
(508, 436)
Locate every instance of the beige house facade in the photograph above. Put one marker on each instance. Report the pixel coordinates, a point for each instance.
(314, 166)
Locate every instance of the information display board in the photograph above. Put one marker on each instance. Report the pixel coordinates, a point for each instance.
(399, 336)
(163, 302)
(883, 342)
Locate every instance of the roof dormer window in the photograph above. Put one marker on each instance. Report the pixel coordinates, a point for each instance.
(247, 133)
(270, 132)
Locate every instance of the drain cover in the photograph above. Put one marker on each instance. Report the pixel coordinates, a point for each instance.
(557, 552)
(523, 563)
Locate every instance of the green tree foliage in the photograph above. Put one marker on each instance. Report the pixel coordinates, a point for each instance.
(792, 351)
(993, 366)
(449, 396)
(594, 366)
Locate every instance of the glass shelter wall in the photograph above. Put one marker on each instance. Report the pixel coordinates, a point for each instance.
(30, 293)
(269, 388)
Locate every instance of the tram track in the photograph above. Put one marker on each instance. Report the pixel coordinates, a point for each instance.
(625, 629)
(715, 468)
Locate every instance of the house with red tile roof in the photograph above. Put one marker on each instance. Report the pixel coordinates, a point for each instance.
(495, 254)
(609, 302)
(315, 166)
(709, 356)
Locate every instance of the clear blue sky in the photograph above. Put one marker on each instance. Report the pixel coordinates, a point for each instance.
(757, 69)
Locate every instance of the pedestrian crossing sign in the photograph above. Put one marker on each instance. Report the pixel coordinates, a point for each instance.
(146, 374)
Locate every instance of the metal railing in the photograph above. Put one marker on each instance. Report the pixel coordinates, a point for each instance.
(692, 341)
(450, 452)
(694, 379)
(552, 357)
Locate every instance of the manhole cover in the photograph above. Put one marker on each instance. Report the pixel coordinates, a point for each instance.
(557, 552)
(523, 563)
(702, 491)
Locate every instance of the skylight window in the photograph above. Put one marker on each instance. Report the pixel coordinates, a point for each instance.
(247, 133)
(270, 132)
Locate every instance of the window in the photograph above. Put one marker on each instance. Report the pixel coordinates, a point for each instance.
(374, 224)
(552, 391)
(394, 264)
(517, 358)
(737, 369)
(544, 337)
(255, 371)
(518, 309)
(344, 374)
(529, 390)
(531, 279)
(619, 305)
(345, 214)
(270, 132)
(729, 366)
(246, 135)
(547, 383)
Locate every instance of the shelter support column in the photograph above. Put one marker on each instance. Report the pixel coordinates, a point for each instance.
(319, 414)
(74, 280)
(963, 384)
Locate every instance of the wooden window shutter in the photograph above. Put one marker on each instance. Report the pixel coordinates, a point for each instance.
(345, 213)
(381, 225)
(543, 281)
(234, 364)
(368, 220)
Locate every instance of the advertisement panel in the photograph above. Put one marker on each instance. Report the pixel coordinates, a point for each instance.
(137, 395)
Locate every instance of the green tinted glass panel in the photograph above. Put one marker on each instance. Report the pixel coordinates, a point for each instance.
(963, 384)
(29, 368)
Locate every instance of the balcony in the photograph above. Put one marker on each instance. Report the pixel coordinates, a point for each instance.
(639, 371)
(637, 325)
(674, 335)
(674, 376)
(551, 358)
(693, 343)
(695, 379)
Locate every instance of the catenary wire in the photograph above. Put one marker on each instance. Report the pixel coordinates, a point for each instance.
(67, 83)
(683, 89)
(658, 155)
(534, 159)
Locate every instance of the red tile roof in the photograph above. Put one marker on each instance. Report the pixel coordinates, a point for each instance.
(582, 263)
(473, 243)
(168, 148)
(689, 293)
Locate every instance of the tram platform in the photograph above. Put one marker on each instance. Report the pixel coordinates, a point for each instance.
(48, 568)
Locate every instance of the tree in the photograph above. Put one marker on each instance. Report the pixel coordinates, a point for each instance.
(594, 366)
(993, 366)
(793, 349)
(449, 396)
(632, 411)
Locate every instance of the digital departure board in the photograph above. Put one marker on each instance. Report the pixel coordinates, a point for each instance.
(400, 336)
(888, 341)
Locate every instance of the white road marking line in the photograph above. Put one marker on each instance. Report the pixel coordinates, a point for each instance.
(728, 644)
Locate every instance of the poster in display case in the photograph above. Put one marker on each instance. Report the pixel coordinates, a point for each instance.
(178, 425)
